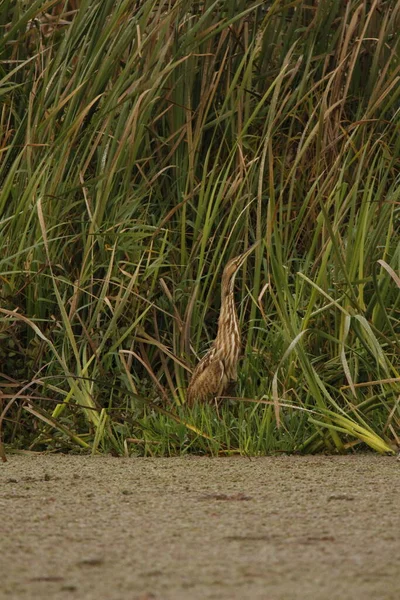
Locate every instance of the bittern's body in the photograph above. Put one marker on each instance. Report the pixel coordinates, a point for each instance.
(219, 366)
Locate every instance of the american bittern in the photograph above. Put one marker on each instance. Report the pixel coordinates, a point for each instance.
(219, 366)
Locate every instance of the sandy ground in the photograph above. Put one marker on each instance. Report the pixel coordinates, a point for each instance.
(270, 528)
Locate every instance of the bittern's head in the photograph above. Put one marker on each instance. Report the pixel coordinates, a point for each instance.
(232, 267)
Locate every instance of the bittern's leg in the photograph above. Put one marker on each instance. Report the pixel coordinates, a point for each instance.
(216, 401)
(231, 388)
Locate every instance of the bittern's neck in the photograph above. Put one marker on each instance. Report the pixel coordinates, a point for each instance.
(227, 287)
(228, 335)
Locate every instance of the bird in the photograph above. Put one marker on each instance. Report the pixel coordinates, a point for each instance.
(219, 365)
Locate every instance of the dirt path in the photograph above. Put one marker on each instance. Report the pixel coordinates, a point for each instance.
(192, 528)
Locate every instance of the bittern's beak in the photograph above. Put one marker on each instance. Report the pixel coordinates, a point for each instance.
(242, 257)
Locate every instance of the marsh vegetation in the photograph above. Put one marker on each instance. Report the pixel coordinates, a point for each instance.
(143, 144)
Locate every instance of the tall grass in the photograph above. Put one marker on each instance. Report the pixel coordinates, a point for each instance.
(144, 144)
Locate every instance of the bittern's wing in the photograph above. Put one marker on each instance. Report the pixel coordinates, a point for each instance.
(207, 381)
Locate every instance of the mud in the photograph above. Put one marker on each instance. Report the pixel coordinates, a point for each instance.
(274, 528)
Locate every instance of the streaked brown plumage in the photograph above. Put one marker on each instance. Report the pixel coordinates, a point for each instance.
(219, 366)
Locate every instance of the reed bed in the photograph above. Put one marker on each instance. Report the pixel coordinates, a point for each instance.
(142, 144)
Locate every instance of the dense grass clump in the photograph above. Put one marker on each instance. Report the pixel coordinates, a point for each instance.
(145, 143)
